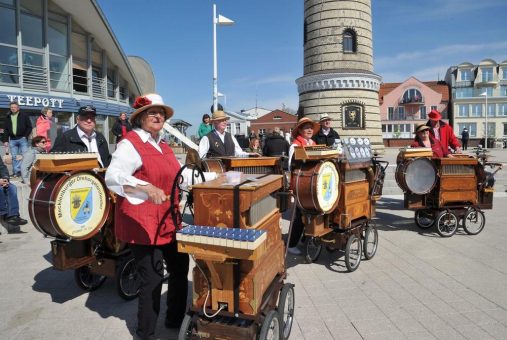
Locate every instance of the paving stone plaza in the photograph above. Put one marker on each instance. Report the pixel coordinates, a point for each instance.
(418, 286)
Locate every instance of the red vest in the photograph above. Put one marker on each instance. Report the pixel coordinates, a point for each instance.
(145, 223)
(300, 141)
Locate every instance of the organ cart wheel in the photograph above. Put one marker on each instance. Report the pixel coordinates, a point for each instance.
(127, 280)
(271, 326)
(353, 252)
(313, 247)
(87, 280)
(474, 221)
(187, 329)
(447, 223)
(424, 218)
(370, 242)
(286, 304)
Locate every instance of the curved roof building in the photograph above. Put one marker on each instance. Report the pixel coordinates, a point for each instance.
(63, 54)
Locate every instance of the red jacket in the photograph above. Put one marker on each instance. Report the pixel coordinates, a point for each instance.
(148, 223)
(42, 127)
(436, 147)
(447, 137)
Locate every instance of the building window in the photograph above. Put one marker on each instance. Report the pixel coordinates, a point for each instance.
(8, 26)
(433, 107)
(472, 128)
(487, 74)
(228, 128)
(463, 110)
(390, 113)
(423, 112)
(476, 110)
(491, 129)
(505, 129)
(262, 132)
(464, 92)
(491, 110)
(504, 73)
(503, 91)
(401, 113)
(111, 82)
(502, 110)
(349, 41)
(277, 118)
(384, 128)
(466, 74)
(488, 90)
(31, 23)
(8, 65)
(412, 96)
(238, 128)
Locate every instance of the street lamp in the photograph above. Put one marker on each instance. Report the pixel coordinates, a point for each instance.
(220, 20)
(485, 93)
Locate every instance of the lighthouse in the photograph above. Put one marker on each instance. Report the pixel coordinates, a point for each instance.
(338, 68)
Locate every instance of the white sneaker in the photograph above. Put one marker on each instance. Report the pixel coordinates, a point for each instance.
(295, 251)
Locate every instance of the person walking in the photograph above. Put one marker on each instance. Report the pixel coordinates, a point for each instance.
(46, 127)
(17, 129)
(121, 127)
(464, 138)
(205, 126)
(142, 172)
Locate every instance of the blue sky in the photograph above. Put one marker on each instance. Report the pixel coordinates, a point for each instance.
(261, 55)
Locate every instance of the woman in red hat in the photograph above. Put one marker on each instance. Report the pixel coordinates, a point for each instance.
(442, 132)
(424, 139)
(142, 172)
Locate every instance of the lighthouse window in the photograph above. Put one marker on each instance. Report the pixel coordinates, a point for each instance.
(349, 41)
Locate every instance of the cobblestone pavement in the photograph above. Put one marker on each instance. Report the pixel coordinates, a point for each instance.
(418, 286)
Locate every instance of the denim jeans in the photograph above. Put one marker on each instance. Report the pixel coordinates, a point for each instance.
(17, 147)
(9, 204)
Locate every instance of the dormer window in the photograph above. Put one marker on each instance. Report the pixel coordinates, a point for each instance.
(349, 41)
(412, 96)
(466, 74)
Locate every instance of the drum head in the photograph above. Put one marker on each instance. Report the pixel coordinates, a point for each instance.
(420, 176)
(327, 186)
(81, 205)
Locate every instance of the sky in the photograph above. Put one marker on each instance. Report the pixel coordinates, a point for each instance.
(261, 55)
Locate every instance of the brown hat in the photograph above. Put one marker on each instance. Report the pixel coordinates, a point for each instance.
(301, 122)
(146, 101)
(421, 128)
(434, 115)
(219, 115)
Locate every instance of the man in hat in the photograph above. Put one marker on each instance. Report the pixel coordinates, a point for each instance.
(442, 131)
(326, 134)
(218, 142)
(84, 138)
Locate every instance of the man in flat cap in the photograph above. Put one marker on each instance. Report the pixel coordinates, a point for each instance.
(326, 134)
(83, 137)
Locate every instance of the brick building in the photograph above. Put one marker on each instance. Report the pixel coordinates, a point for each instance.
(277, 118)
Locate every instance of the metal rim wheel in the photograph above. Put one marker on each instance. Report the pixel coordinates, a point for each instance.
(370, 242)
(474, 221)
(285, 308)
(353, 252)
(127, 280)
(86, 280)
(313, 247)
(187, 329)
(271, 326)
(424, 218)
(447, 224)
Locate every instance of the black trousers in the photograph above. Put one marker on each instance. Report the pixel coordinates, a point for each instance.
(297, 228)
(150, 270)
(464, 143)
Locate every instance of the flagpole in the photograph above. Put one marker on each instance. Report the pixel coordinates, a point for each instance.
(486, 138)
(215, 67)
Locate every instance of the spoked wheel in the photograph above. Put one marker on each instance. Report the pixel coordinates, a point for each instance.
(313, 247)
(271, 326)
(370, 242)
(286, 309)
(87, 280)
(474, 221)
(353, 252)
(424, 218)
(187, 329)
(127, 280)
(447, 223)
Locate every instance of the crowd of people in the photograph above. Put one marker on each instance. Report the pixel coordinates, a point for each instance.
(142, 170)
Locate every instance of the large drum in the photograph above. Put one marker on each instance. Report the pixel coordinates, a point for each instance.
(416, 175)
(71, 205)
(316, 186)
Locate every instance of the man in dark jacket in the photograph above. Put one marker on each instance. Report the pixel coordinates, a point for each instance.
(464, 138)
(326, 134)
(9, 205)
(84, 138)
(17, 129)
(276, 146)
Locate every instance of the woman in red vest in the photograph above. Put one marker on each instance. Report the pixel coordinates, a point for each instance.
(302, 135)
(423, 138)
(142, 171)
